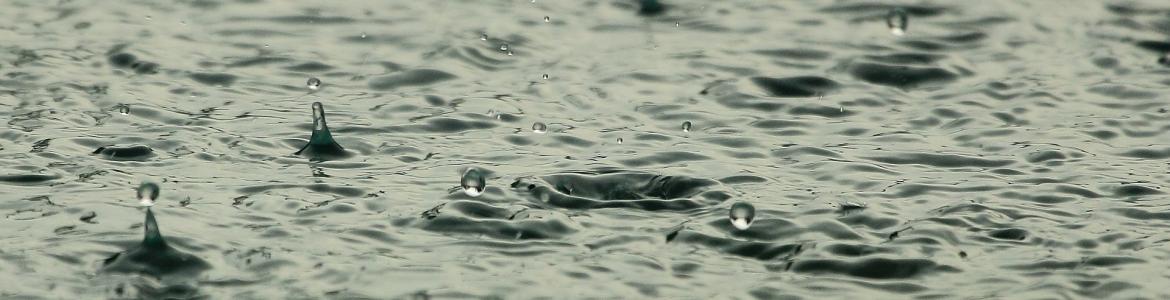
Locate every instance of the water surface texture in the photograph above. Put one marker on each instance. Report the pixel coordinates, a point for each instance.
(995, 149)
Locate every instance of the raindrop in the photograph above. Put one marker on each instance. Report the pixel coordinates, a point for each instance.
(741, 215)
(483, 37)
(897, 21)
(539, 127)
(675, 24)
(620, 141)
(313, 83)
(509, 52)
(473, 182)
(124, 109)
(546, 19)
(546, 76)
(503, 47)
(686, 127)
(363, 35)
(147, 193)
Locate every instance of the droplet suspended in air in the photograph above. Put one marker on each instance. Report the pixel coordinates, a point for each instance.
(473, 182)
(620, 141)
(124, 109)
(509, 52)
(503, 47)
(483, 37)
(363, 35)
(546, 76)
(539, 127)
(546, 19)
(686, 126)
(147, 193)
(741, 215)
(897, 21)
(313, 83)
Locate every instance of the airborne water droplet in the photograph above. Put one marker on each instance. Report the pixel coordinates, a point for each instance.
(483, 37)
(147, 193)
(363, 35)
(619, 141)
(741, 215)
(897, 21)
(539, 127)
(503, 47)
(473, 183)
(686, 126)
(124, 109)
(509, 52)
(546, 76)
(546, 19)
(313, 83)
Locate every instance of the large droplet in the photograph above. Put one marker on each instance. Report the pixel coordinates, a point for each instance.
(546, 20)
(686, 126)
(897, 20)
(313, 83)
(539, 127)
(154, 257)
(147, 193)
(503, 47)
(473, 182)
(123, 109)
(620, 141)
(321, 144)
(483, 37)
(545, 76)
(741, 215)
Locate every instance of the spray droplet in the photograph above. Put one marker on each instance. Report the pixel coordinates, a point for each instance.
(363, 35)
(546, 19)
(539, 127)
(124, 109)
(147, 193)
(675, 24)
(546, 76)
(686, 126)
(741, 215)
(620, 141)
(897, 21)
(503, 47)
(509, 52)
(313, 83)
(483, 37)
(473, 182)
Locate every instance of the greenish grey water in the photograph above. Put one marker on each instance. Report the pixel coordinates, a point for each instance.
(997, 149)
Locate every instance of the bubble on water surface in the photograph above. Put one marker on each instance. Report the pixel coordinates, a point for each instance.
(741, 215)
(473, 182)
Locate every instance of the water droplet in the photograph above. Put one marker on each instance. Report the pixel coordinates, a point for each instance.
(546, 19)
(503, 47)
(686, 127)
(363, 35)
(509, 52)
(124, 109)
(545, 76)
(620, 141)
(313, 83)
(147, 193)
(897, 21)
(741, 215)
(539, 127)
(148, 18)
(675, 24)
(473, 182)
(483, 37)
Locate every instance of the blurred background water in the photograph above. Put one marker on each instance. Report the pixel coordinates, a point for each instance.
(996, 149)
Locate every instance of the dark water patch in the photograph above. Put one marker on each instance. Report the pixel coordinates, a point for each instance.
(941, 160)
(305, 20)
(745, 101)
(418, 77)
(799, 151)
(1122, 92)
(663, 158)
(796, 54)
(319, 188)
(28, 179)
(214, 79)
(1013, 234)
(855, 250)
(258, 61)
(1148, 153)
(484, 221)
(1043, 156)
(125, 152)
(749, 249)
(1133, 190)
(876, 9)
(906, 58)
(903, 77)
(821, 111)
(442, 125)
(741, 179)
(873, 268)
(309, 67)
(778, 124)
(800, 86)
(124, 60)
(643, 191)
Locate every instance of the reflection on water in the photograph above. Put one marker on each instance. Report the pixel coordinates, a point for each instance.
(585, 149)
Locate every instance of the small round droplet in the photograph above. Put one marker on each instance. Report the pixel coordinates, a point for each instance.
(363, 35)
(124, 109)
(620, 141)
(897, 21)
(147, 193)
(539, 127)
(503, 47)
(686, 126)
(473, 182)
(675, 24)
(546, 20)
(483, 37)
(741, 215)
(509, 52)
(313, 83)
(546, 76)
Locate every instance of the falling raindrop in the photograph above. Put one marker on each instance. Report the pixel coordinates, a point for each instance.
(363, 35)
(503, 47)
(147, 193)
(686, 126)
(509, 52)
(546, 76)
(741, 215)
(313, 83)
(124, 109)
(539, 127)
(620, 141)
(546, 19)
(897, 21)
(675, 24)
(483, 37)
(473, 182)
